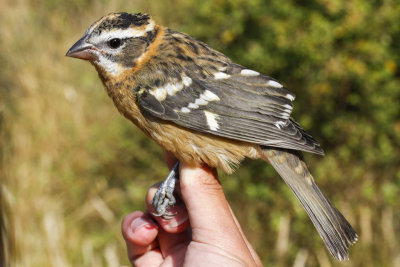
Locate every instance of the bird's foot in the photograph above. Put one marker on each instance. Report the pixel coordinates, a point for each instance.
(164, 197)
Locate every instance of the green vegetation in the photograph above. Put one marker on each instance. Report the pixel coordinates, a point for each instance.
(71, 166)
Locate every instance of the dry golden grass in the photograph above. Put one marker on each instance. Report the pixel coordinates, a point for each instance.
(55, 110)
(68, 159)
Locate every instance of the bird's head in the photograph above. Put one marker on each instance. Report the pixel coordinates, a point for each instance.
(116, 42)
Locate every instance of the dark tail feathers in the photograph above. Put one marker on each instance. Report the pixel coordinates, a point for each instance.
(331, 225)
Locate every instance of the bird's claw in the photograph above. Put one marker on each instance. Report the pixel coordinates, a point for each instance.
(164, 197)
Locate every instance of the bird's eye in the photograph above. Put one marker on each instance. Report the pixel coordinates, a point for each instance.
(114, 43)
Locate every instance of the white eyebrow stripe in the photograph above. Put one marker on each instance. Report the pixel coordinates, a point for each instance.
(124, 33)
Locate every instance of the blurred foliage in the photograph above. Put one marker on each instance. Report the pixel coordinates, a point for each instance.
(72, 166)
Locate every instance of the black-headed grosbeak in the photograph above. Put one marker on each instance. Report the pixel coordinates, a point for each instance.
(199, 105)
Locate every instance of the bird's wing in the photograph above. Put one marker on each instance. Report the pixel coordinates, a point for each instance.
(232, 102)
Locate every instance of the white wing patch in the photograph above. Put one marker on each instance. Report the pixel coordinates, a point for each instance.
(203, 99)
(221, 75)
(160, 93)
(288, 106)
(193, 106)
(212, 120)
(247, 72)
(209, 96)
(173, 88)
(170, 88)
(200, 101)
(279, 124)
(187, 81)
(290, 97)
(274, 84)
(285, 115)
(185, 110)
(286, 112)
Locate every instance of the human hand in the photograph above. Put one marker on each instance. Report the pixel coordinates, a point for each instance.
(204, 232)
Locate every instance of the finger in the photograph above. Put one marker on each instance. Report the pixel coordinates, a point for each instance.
(140, 232)
(254, 254)
(152, 258)
(173, 246)
(139, 229)
(210, 215)
(175, 233)
(178, 223)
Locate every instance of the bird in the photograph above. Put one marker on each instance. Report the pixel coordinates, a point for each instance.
(196, 103)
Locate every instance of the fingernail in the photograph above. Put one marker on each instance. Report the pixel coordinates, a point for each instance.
(180, 217)
(139, 223)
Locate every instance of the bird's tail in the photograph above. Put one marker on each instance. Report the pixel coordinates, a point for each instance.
(331, 225)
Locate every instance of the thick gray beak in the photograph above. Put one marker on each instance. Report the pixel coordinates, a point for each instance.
(82, 50)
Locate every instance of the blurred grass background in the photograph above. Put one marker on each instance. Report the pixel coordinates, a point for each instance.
(71, 167)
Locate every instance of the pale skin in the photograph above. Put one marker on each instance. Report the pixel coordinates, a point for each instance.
(205, 232)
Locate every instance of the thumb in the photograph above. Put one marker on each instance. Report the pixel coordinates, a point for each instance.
(208, 209)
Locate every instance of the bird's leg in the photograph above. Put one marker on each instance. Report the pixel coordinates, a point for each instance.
(164, 197)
